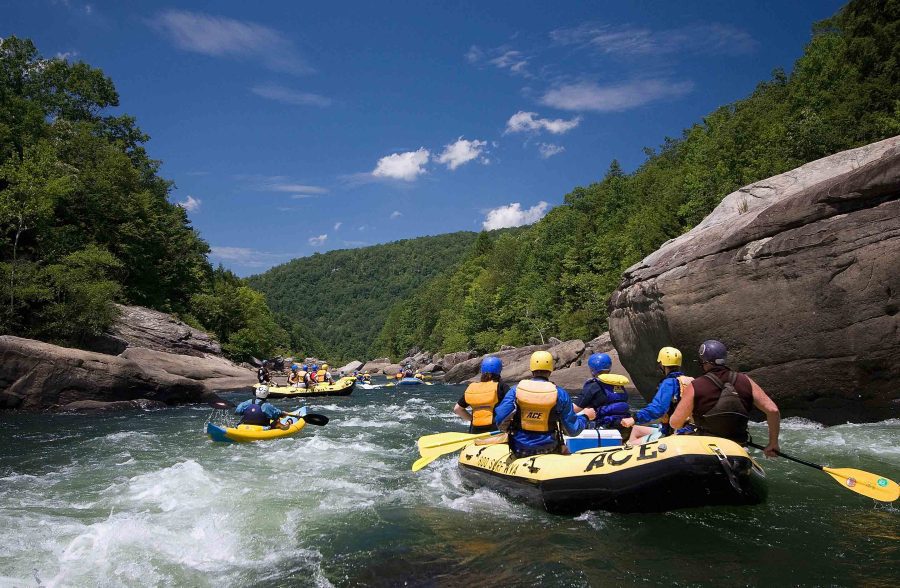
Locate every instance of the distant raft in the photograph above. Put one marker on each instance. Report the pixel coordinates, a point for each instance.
(674, 472)
(342, 387)
(247, 433)
(410, 382)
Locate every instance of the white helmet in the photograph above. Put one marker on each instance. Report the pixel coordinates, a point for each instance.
(262, 391)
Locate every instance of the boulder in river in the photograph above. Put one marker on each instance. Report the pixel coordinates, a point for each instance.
(36, 375)
(116, 405)
(516, 361)
(214, 372)
(350, 367)
(799, 275)
(136, 326)
(452, 359)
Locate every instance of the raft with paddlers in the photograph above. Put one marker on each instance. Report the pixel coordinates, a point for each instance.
(676, 472)
(342, 387)
(293, 423)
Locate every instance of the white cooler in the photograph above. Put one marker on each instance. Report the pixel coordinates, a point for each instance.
(593, 438)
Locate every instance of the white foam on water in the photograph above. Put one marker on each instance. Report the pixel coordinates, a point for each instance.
(799, 424)
(367, 423)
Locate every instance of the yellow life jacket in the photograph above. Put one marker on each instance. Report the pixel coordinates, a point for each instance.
(683, 382)
(536, 401)
(482, 397)
(320, 376)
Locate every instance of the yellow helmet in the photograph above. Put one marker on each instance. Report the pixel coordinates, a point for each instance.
(541, 361)
(669, 357)
(324, 366)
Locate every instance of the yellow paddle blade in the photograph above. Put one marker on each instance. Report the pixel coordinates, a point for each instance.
(444, 439)
(613, 379)
(865, 483)
(424, 461)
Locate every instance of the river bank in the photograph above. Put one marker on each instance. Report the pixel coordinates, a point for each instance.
(143, 498)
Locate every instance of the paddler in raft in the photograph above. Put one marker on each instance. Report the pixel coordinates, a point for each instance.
(534, 410)
(483, 397)
(294, 378)
(668, 395)
(256, 411)
(609, 402)
(721, 399)
(263, 375)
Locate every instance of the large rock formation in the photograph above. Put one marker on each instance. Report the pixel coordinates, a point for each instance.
(137, 326)
(212, 371)
(798, 274)
(36, 375)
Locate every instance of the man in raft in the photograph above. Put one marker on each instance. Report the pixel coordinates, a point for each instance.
(263, 374)
(609, 402)
(534, 410)
(483, 397)
(256, 411)
(668, 395)
(721, 399)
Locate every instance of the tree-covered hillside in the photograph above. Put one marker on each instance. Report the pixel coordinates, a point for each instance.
(85, 218)
(555, 277)
(343, 297)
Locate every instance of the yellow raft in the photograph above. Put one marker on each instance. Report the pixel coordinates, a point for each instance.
(342, 387)
(674, 472)
(246, 433)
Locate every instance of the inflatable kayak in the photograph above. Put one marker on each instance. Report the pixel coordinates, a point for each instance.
(246, 433)
(674, 472)
(342, 387)
(410, 382)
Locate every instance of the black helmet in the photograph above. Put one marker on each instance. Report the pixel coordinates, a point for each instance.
(713, 351)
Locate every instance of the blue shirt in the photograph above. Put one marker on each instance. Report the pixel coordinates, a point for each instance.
(571, 423)
(268, 409)
(669, 389)
(611, 406)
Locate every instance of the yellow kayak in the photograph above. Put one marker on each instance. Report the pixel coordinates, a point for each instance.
(342, 387)
(674, 472)
(246, 433)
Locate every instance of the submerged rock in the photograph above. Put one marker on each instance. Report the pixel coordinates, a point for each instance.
(798, 274)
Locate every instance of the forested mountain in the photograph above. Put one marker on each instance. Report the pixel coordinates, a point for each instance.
(341, 298)
(555, 277)
(85, 218)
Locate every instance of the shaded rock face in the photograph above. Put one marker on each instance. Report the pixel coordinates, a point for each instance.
(452, 359)
(137, 326)
(98, 406)
(375, 366)
(213, 372)
(36, 375)
(799, 275)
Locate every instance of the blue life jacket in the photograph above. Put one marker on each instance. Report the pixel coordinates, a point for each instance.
(254, 415)
(611, 405)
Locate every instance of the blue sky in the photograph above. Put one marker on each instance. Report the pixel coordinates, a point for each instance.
(295, 127)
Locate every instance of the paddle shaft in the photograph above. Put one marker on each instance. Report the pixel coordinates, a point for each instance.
(797, 459)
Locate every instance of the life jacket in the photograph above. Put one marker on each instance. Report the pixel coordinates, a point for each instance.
(683, 382)
(254, 415)
(293, 378)
(722, 408)
(399, 375)
(536, 402)
(262, 374)
(320, 376)
(482, 397)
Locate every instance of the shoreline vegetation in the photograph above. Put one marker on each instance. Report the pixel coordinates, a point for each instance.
(88, 223)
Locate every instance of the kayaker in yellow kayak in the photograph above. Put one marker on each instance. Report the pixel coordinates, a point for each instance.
(256, 411)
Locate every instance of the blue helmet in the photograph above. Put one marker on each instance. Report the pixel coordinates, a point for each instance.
(294, 367)
(315, 367)
(491, 365)
(713, 351)
(599, 362)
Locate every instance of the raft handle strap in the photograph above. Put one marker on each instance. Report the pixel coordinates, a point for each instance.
(723, 461)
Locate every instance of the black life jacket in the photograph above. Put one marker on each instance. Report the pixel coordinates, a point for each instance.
(730, 413)
(254, 415)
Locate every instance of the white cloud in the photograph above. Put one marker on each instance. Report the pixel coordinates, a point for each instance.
(191, 204)
(249, 258)
(396, 214)
(461, 152)
(548, 150)
(316, 241)
(503, 57)
(225, 37)
(66, 55)
(260, 183)
(337, 225)
(526, 121)
(615, 97)
(403, 166)
(629, 40)
(287, 96)
(474, 54)
(512, 215)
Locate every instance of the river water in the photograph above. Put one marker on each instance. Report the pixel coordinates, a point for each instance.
(145, 499)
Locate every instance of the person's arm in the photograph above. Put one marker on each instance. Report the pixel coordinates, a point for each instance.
(684, 410)
(505, 408)
(240, 408)
(762, 401)
(462, 413)
(584, 398)
(572, 423)
(660, 403)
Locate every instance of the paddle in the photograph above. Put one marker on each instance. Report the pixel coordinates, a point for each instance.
(432, 447)
(319, 420)
(859, 481)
